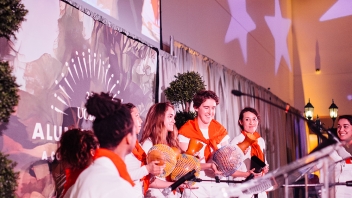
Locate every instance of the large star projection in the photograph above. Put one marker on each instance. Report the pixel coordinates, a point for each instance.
(241, 23)
(279, 28)
(340, 9)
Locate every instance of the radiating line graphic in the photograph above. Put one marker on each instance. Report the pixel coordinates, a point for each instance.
(79, 63)
(68, 82)
(69, 70)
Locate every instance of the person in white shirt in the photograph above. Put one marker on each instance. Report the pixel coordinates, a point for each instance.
(75, 153)
(136, 161)
(343, 159)
(213, 136)
(107, 176)
(159, 129)
(248, 122)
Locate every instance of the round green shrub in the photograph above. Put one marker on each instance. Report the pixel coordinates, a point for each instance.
(183, 88)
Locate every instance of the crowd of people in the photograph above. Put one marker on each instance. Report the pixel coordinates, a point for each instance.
(109, 161)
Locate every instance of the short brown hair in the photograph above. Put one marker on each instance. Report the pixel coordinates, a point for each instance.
(202, 96)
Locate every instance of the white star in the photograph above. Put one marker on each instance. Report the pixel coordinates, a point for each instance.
(279, 27)
(241, 23)
(341, 8)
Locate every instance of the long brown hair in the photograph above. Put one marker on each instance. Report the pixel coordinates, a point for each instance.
(154, 126)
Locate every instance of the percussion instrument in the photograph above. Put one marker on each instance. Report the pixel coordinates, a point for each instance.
(165, 155)
(185, 163)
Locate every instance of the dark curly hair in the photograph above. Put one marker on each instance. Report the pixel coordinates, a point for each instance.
(202, 96)
(75, 147)
(130, 106)
(113, 120)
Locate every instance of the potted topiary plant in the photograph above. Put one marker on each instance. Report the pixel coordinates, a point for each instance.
(11, 17)
(181, 92)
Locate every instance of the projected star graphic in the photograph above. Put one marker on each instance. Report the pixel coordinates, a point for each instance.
(279, 28)
(241, 23)
(340, 9)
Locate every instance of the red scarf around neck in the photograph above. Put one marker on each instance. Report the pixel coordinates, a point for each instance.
(215, 130)
(118, 162)
(71, 177)
(256, 150)
(139, 153)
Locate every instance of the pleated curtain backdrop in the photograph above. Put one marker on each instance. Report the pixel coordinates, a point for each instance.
(283, 132)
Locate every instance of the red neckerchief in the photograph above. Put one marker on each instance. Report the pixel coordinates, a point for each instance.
(255, 147)
(348, 160)
(216, 133)
(118, 162)
(71, 177)
(139, 153)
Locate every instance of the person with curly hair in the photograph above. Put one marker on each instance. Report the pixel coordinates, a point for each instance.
(107, 176)
(75, 153)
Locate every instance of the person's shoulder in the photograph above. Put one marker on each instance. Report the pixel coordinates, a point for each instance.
(147, 141)
(238, 138)
(187, 124)
(219, 127)
(109, 186)
(147, 144)
(217, 124)
(186, 127)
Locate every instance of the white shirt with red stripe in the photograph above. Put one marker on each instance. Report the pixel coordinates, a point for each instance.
(343, 173)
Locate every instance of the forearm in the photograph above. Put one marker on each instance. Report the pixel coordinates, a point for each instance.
(160, 184)
(138, 173)
(205, 166)
(240, 174)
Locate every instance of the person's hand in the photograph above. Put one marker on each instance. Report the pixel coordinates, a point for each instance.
(155, 169)
(215, 169)
(185, 185)
(246, 151)
(266, 169)
(255, 174)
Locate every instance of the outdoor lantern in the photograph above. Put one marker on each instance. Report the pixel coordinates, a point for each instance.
(333, 112)
(308, 110)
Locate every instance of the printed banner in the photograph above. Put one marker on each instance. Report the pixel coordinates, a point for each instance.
(60, 56)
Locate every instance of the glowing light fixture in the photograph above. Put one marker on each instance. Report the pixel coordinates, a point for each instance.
(333, 112)
(308, 110)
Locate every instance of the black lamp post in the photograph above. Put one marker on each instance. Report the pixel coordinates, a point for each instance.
(308, 110)
(333, 112)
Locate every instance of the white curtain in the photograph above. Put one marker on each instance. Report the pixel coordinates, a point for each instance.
(284, 132)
